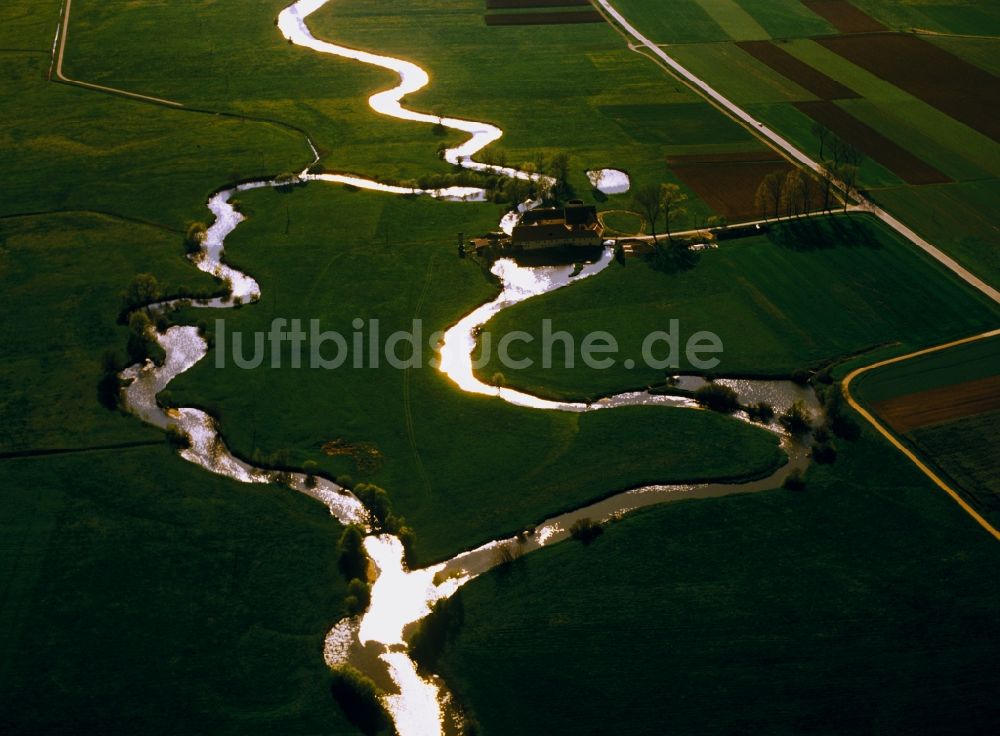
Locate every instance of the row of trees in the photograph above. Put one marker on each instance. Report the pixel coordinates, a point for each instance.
(793, 193)
(516, 189)
(654, 201)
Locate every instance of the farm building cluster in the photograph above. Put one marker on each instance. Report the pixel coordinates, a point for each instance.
(573, 226)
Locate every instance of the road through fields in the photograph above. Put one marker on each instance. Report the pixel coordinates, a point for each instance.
(789, 149)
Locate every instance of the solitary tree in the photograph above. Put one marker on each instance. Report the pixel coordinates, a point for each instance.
(762, 199)
(846, 153)
(515, 190)
(848, 175)
(823, 133)
(194, 236)
(648, 200)
(671, 198)
(143, 290)
(828, 168)
(808, 191)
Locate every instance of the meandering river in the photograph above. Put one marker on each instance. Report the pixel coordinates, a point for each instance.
(374, 642)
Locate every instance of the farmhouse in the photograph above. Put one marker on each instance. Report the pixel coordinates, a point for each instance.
(574, 225)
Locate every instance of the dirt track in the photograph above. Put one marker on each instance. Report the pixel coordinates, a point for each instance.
(873, 144)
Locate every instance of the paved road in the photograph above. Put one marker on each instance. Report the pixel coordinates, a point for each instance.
(790, 150)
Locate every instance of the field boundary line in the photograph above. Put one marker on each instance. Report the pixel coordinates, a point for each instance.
(59, 46)
(897, 443)
(91, 213)
(785, 147)
(942, 34)
(805, 216)
(58, 51)
(47, 452)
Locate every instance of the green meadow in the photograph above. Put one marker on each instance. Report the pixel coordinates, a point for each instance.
(762, 613)
(944, 16)
(141, 594)
(804, 296)
(968, 362)
(624, 112)
(461, 469)
(144, 595)
(63, 275)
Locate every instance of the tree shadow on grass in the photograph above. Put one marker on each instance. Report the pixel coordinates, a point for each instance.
(824, 233)
(672, 258)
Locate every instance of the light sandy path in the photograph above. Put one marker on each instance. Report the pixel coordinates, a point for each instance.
(791, 151)
(898, 443)
(62, 33)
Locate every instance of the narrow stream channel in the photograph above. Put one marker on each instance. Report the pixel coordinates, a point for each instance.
(374, 642)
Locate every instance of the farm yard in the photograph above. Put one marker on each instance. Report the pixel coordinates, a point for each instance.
(199, 541)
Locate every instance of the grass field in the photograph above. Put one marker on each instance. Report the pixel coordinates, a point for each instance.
(143, 161)
(755, 614)
(259, 74)
(740, 76)
(945, 16)
(967, 450)
(965, 146)
(142, 594)
(958, 217)
(62, 278)
(461, 469)
(983, 52)
(968, 362)
(777, 306)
